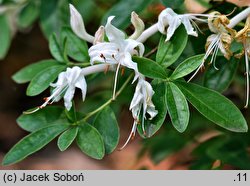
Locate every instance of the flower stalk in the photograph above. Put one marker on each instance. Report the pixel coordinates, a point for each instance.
(233, 22)
(239, 17)
(90, 114)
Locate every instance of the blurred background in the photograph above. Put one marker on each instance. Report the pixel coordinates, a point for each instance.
(167, 150)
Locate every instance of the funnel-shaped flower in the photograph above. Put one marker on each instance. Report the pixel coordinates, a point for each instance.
(65, 87)
(77, 25)
(118, 51)
(141, 105)
(169, 21)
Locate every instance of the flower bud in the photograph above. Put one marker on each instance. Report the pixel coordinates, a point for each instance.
(99, 35)
(138, 25)
(77, 25)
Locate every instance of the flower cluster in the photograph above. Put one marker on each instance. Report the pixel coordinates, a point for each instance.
(115, 51)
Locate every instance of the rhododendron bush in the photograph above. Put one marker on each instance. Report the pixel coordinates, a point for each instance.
(172, 69)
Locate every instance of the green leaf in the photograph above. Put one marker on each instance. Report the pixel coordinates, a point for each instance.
(49, 115)
(204, 3)
(214, 107)
(54, 15)
(106, 124)
(187, 66)
(5, 36)
(219, 80)
(71, 114)
(177, 107)
(161, 145)
(168, 52)
(32, 143)
(77, 49)
(122, 10)
(27, 73)
(159, 100)
(55, 49)
(43, 79)
(90, 141)
(87, 9)
(66, 138)
(172, 4)
(150, 68)
(28, 14)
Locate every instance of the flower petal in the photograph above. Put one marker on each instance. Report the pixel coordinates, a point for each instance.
(68, 96)
(81, 84)
(173, 25)
(72, 74)
(61, 80)
(77, 25)
(103, 52)
(130, 46)
(114, 34)
(188, 26)
(152, 112)
(168, 18)
(127, 62)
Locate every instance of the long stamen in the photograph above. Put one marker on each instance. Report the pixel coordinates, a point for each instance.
(53, 97)
(32, 111)
(196, 26)
(116, 75)
(212, 47)
(59, 94)
(202, 15)
(198, 69)
(214, 57)
(247, 76)
(131, 135)
(143, 126)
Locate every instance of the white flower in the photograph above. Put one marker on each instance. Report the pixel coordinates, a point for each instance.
(169, 21)
(118, 51)
(77, 25)
(66, 84)
(141, 102)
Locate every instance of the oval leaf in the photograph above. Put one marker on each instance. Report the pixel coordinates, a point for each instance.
(66, 138)
(76, 48)
(90, 141)
(214, 107)
(5, 36)
(168, 52)
(177, 107)
(27, 73)
(106, 124)
(176, 4)
(32, 143)
(28, 14)
(49, 115)
(219, 80)
(43, 79)
(55, 49)
(187, 66)
(54, 15)
(150, 68)
(122, 10)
